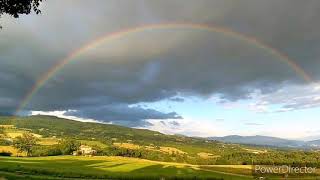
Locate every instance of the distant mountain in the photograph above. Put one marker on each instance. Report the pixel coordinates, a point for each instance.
(310, 138)
(315, 143)
(264, 141)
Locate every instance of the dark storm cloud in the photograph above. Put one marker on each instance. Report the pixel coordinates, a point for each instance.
(158, 65)
(13, 84)
(122, 114)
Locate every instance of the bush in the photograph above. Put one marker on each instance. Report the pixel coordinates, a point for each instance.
(67, 146)
(46, 151)
(4, 142)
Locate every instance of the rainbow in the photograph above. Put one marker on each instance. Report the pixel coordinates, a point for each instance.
(119, 34)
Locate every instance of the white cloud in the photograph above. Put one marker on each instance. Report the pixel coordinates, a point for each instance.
(260, 107)
(288, 98)
(61, 114)
(190, 127)
(187, 127)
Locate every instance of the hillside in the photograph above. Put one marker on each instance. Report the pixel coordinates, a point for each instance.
(113, 140)
(49, 126)
(151, 144)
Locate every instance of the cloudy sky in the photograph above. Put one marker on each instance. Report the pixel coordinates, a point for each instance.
(173, 79)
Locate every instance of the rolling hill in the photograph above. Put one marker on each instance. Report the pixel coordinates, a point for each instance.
(116, 140)
(267, 141)
(49, 127)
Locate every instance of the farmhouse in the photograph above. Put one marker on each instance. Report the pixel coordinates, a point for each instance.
(85, 150)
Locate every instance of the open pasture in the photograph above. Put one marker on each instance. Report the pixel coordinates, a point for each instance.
(109, 167)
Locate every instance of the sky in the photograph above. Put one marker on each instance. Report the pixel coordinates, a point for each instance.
(197, 68)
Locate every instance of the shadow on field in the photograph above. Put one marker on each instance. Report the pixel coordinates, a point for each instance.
(173, 172)
(161, 169)
(97, 169)
(57, 167)
(108, 166)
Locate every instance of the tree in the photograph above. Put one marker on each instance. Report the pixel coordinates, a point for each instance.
(16, 7)
(25, 143)
(67, 146)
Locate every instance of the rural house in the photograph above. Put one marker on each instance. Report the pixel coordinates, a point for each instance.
(85, 150)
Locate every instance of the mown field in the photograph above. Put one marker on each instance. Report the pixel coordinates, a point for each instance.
(106, 168)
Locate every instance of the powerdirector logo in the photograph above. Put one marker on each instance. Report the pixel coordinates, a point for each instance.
(282, 170)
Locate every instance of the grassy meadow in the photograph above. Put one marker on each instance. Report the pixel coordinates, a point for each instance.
(108, 167)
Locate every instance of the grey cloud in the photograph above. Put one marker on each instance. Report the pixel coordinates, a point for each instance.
(289, 98)
(159, 64)
(122, 114)
(303, 104)
(174, 123)
(177, 99)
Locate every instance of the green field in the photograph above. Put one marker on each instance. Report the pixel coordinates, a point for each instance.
(104, 167)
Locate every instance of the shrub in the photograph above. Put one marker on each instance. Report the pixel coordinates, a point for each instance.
(46, 151)
(4, 142)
